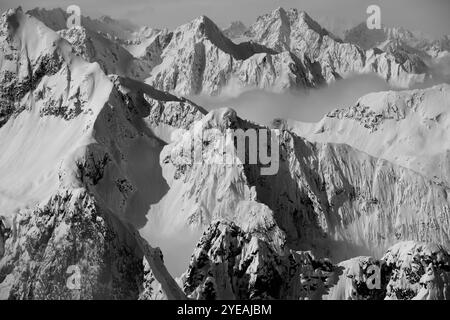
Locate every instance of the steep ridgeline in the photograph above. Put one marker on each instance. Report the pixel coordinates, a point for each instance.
(199, 59)
(408, 270)
(119, 48)
(112, 58)
(79, 157)
(84, 155)
(381, 38)
(409, 128)
(235, 30)
(328, 198)
(292, 51)
(195, 58)
(414, 48)
(298, 33)
(283, 50)
(230, 263)
(133, 38)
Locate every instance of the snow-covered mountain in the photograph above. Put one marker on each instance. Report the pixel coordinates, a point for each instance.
(116, 46)
(94, 165)
(370, 38)
(408, 270)
(297, 32)
(283, 50)
(409, 128)
(199, 59)
(328, 198)
(70, 190)
(413, 46)
(235, 30)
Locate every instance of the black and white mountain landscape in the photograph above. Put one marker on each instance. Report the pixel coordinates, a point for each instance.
(94, 174)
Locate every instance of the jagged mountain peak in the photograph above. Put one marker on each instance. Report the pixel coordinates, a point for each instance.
(199, 57)
(287, 19)
(408, 128)
(204, 25)
(237, 24)
(54, 18)
(370, 38)
(235, 30)
(201, 28)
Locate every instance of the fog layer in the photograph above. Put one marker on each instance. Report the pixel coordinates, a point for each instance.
(262, 107)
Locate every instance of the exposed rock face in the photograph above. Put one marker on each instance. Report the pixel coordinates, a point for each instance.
(417, 52)
(283, 50)
(70, 230)
(288, 50)
(83, 156)
(82, 209)
(368, 39)
(113, 59)
(200, 59)
(297, 32)
(229, 263)
(420, 271)
(119, 48)
(408, 270)
(408, 128)
(235, 30)
(162, 112)
(328, 198)
(23, 67)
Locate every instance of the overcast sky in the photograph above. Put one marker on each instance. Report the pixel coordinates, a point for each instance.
(430, 16)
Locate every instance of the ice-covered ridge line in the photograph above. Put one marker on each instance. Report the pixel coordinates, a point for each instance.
(67, 172)
(410, 128)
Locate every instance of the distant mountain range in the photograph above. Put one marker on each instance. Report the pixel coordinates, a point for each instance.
(283, 50)
(92, 162)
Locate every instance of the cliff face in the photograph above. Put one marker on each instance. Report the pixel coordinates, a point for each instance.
(88, 159)
(229, 263)
(70, 202)
(408, 128)
(282, 51)
(325, 196)
(408, 270)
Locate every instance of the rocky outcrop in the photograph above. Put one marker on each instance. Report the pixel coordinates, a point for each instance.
(72, 234)
(229, 263)
(328, 198)
(22, 67)
(199, 59)
(405, 127)
(297, 32)
(408, 270)
(84, 156)
(235, 30)
(113, 58)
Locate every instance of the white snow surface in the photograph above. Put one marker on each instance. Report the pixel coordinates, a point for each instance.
(409, 128)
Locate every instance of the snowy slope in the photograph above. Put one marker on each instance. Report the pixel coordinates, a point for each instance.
(287, 50)
(69, 191)
(410, 128)
(235, 31)
(408, 270)
(200, 59)
(112, 58)
(117, 46)
(88, 159)
(414, 46)
(328, 198)
(296, 31)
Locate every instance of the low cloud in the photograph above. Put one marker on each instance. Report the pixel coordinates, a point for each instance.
(262, 107)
